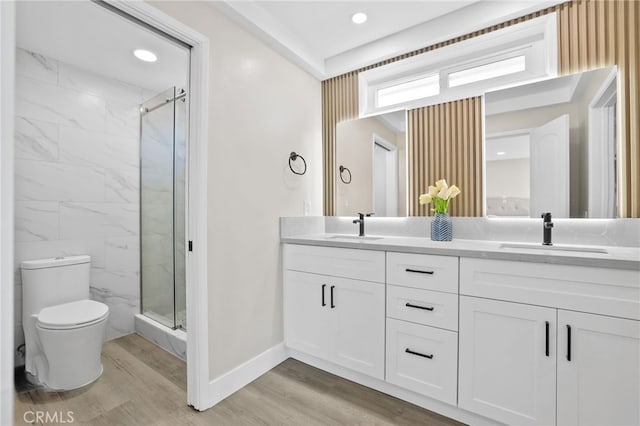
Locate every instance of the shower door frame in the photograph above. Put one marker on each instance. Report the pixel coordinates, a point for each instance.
(196, 188)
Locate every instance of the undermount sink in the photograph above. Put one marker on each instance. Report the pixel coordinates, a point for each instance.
(530, 246)
(352, 237)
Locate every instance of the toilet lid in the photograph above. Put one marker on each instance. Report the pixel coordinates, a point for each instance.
(74, 313)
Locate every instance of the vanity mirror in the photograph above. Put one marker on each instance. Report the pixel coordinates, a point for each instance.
(371, 165)
(550, 146)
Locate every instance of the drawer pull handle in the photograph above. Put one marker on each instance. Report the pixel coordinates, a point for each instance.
(418, 271)
(411, 305)
(332, 304)
(546, 332)
(568, 342)
(323, 302)
(409, 351)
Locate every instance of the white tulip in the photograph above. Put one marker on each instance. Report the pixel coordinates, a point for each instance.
(424, 199)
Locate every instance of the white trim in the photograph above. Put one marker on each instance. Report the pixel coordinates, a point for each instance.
(196, 181)
(536, 39)
(7, 119)
(234, 380)
(393, 390)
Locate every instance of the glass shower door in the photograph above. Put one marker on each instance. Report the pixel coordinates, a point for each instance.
(162, 208)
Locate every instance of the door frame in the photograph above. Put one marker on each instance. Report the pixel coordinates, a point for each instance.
(602, 201)
(196, 183)
(391, 189)
(7, 120)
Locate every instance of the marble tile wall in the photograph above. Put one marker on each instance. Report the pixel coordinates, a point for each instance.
(77, 185)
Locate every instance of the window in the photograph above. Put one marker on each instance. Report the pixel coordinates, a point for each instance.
(409, 91)
(488, 71)
(515, 54)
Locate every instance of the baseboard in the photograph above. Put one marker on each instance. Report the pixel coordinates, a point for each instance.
(242, 375)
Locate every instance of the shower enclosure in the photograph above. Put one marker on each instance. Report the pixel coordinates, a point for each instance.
(163, 132)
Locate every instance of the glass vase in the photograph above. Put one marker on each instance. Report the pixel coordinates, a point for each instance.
(441, 227)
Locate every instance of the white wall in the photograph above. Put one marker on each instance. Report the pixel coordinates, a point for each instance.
(508, 178)
(261, 107)
(76, 179)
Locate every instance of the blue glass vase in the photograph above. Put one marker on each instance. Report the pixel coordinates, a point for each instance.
(441, 227)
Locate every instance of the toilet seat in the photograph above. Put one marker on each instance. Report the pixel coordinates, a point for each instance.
(81, 313)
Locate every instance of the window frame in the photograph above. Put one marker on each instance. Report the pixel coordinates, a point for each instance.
(536, 39)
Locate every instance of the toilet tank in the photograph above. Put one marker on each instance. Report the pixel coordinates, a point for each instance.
(48, 282)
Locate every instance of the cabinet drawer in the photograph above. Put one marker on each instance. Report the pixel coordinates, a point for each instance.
(423, 306)
(614, 292)
(422, 359)
(423, 271)
(367, 265)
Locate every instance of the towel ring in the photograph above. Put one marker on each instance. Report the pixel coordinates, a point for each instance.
(343, 169)
(293, 157)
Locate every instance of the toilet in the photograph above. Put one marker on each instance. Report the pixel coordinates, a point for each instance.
(63, 329)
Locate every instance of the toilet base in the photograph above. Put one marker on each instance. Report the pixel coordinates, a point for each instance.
(72, 357)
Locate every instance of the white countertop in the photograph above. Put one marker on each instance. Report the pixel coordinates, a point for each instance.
(614, 257)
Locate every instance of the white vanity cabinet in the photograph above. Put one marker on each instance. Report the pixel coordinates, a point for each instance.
(422, 324)
(330, 313)
(530, 358)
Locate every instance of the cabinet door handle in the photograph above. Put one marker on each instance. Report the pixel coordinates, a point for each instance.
(323, 302)
(332, 304)
(568, 342)
(409, 351)
(546, 332)
(418, 271)
(411, 305)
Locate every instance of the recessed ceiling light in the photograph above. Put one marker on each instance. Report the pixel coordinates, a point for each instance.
(359, 18)
(145, 55)
(500, 153)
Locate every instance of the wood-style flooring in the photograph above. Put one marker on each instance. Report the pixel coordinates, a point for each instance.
(144, 385)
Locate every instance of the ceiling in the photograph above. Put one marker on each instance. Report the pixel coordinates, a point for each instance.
(88, 36)
(316, 35)
(321, 38)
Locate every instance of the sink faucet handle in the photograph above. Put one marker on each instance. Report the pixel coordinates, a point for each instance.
(369, 214)
(546, 216)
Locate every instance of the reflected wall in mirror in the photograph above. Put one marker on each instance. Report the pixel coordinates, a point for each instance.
(371, 155)
(550, 146)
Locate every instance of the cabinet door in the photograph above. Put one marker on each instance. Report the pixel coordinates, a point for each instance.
(357, 325)
(598, 370)
(507, 368)
(306, 322)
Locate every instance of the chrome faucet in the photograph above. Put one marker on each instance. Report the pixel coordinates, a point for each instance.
(360, 221)
(547, 226)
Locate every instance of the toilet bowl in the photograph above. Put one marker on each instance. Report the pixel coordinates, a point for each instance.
(63, 329)
(71, 338)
